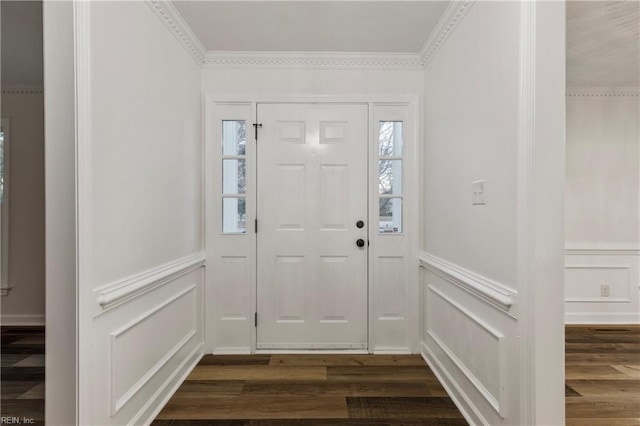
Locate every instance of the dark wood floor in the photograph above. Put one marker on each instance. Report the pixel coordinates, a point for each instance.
(311, 389)
(22, 385)
(602, 375)
(602, 385)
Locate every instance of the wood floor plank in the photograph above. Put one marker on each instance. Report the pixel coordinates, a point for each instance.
(612, 388)
(235, 360)
(599, 407)
(210, 389)
(256, 372)
(603, 422)
(347, 360)
(381, 373)
(433, 421)
(256, 407)
(613, 358)
(602, 348)
(344, 389)
(632, 371)
(601, 372)
(412, 407)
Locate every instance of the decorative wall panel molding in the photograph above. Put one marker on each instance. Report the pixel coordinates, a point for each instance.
(155, 404)
(489, 291)
(170, 16)
(582, 278)
(603, 92)
(466, 320)
(176, 337)
(455, 392)
(131, 287)
(603, 251)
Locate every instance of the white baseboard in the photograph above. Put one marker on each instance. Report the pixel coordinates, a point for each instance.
(232, 351)
(22, 320)
(602, 318)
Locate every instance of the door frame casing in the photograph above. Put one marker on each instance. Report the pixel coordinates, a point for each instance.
(212, 184)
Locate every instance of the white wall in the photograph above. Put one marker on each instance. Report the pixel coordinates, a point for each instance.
(140, 260)
(479, 94)
(304, 81)
(602, 219)
(24, 304)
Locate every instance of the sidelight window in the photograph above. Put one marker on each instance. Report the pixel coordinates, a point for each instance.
(234, 172)
(390, 144)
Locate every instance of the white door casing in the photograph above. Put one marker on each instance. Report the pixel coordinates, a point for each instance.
(312, 191)
(391, 299)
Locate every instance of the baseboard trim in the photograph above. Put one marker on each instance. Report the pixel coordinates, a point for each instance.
(593, 318)
(455, 392)
(233, 351)
(186, 367)
(22, 320)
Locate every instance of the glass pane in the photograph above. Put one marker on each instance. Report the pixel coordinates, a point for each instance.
(233, 215)
(390, 220)
(390, 138)
(234, 141)
(390, 173)
(233, 176)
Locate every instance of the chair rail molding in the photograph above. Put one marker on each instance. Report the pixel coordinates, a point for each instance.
(491, 292)
(121, 291)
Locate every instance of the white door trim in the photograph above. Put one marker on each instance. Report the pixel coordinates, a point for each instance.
(215, 337)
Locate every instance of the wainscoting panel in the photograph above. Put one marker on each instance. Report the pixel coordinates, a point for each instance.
(602, 285)
(470, 341)
(143, 347)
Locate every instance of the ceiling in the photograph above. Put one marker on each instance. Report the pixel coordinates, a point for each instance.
(312, 26)
(603, 43)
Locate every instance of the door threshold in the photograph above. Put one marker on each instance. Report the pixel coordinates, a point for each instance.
(313, 351)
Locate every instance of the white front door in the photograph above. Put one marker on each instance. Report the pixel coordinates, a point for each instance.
(312, 194)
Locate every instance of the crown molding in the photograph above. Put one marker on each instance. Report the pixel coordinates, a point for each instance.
(449, 21)
(172, 19)
(22, 90)
(603, 92)
(312, 60)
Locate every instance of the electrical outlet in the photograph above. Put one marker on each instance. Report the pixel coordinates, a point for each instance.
(477, 193)
(604, 290)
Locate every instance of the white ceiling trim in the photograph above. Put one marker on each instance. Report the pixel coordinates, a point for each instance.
(172, 19)
(22, 90)
(449, 21)
(337, 60)
(600, 92)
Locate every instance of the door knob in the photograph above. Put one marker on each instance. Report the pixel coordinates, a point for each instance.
(359, 224)
(360, 243)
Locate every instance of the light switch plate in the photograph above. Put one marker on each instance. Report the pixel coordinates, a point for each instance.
(477, 193)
